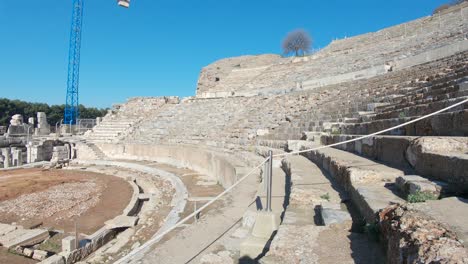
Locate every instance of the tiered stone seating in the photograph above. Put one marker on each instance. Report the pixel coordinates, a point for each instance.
(387, 46)
(367, 106)
(120, 121)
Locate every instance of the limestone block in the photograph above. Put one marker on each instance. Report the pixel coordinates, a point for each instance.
(248, 220)
(295, 244)
(222, 257)
(39, 255)
(298, 145)
(24, 237)
(144, 196)
(121, 221)
(5, 229)
(69, 244)
(334, 216)
(266, 223)
(252, 247)
(55, 259)
(28, 252)
(411, 184)
(262, 132)
(16, 120)
(440, 159)
(43, 128)
(60, 153)
(19, 130)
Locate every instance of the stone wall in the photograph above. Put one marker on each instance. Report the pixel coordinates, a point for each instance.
(213, 76)
(46, 150)
(211, 163)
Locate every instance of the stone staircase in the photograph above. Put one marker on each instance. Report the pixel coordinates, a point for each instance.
(110, 130)
(123, 119)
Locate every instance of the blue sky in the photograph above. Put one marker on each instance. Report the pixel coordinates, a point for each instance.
(158, 47)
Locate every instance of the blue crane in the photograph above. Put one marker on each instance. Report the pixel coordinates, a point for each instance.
(72, 111)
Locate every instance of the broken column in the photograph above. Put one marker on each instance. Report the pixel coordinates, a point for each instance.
(6, 157)
(31, 121)
(17, 157)
(17, 127)
(43, 128)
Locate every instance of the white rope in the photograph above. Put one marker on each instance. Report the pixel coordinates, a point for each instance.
(154, 240)
(157, 238)
(373, 134)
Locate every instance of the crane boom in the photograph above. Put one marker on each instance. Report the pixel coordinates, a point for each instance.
(72, 111)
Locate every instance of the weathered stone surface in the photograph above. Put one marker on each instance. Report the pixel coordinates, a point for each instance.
(39, 255)
(441, 159)
(122, 221)
(55, 259)
(413, 237)
(297, 145)
(28, 252)
(24, 237)
(5, 229)
(222, 257)
(215, 74)
(16, 120)
(334, 216)
(69, 244)
(43, 128)
(287, 248)
(451, 212)
(411, 184)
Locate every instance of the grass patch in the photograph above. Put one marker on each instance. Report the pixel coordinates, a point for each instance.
(420, 197)
(325, 196)
(53, 244)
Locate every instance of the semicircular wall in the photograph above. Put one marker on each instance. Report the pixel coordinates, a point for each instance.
(206, 161)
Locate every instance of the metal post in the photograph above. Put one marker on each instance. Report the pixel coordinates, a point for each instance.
(71, 132)
(77, 243)
(194, 210)
(57, 131)
(269, 180)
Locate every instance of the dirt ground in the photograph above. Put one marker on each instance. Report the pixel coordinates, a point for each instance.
(110, 195)
(9, 258)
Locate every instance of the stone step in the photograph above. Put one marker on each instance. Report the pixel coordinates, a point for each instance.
(431, 103)
(437, 158)
(443, 124)
(23, 237)
(422, 109)
(452, 212)
(369, 184)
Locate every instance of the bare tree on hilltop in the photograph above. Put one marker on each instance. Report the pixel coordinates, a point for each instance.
(297, 41)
